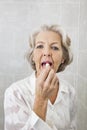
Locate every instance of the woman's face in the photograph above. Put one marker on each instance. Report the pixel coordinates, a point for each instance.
(47, 49)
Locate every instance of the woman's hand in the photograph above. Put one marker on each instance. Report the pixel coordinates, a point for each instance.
(46, 84)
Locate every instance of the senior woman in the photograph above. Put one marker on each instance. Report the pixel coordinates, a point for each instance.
(43, 101)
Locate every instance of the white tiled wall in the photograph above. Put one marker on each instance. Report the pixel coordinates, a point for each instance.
(18, 18)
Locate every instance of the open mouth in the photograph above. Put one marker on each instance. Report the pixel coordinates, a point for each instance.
(46, 63)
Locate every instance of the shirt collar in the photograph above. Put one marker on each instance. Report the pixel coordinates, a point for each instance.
(32, 83)
(63, 86)
(63, 89)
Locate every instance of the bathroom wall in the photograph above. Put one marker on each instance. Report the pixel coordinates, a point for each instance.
(18, 18)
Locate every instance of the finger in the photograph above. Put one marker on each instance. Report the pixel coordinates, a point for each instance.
(50, 77)
(54, 81)
(44, 73)
(56, 86)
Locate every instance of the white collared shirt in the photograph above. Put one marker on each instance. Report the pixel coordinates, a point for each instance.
(18, 104)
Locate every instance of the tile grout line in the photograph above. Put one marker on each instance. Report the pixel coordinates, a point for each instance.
(77, 62)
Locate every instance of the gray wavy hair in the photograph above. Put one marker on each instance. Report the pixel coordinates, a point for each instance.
(65, 42)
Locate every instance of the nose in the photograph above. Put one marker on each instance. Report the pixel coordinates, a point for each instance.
(47, 51)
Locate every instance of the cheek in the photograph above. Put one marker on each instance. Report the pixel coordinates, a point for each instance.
(57, 60)
(58, 57)
(36, 56)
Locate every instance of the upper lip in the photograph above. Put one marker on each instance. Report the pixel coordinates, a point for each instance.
(44, 62)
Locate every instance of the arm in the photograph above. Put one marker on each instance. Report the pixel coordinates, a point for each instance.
(46, 86)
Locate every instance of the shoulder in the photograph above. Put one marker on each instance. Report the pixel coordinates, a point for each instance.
(67, 87)
(22, 86)
(16, 87)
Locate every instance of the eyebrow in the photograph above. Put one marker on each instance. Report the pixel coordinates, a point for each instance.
(44, 42)
(40, 42)
(54, 43)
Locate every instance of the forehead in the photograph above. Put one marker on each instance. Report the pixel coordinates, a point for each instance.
(48, 36)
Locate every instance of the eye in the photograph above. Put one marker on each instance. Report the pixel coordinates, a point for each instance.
(55, 48)
(39, 46)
